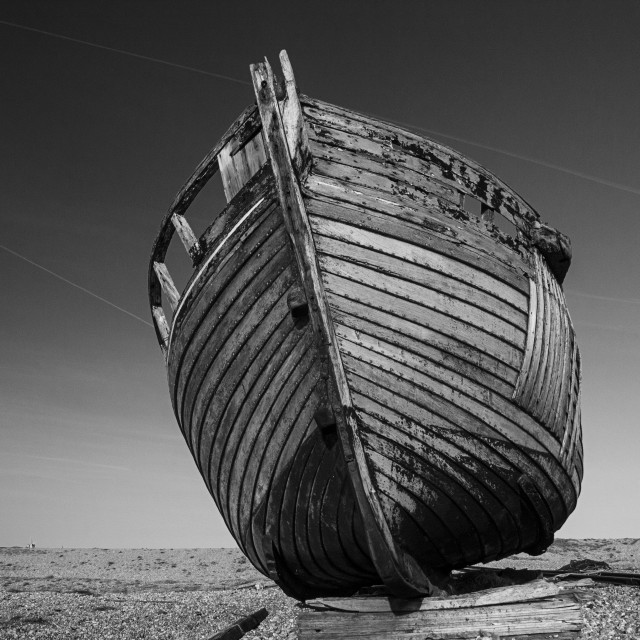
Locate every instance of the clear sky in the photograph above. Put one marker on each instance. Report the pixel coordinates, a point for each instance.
(95, 144)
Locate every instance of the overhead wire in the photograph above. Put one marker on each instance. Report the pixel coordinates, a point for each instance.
(127, 53)
(74, 284)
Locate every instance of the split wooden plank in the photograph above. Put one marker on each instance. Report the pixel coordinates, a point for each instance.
(535, 610)
(167, 284)
(498, 595)
(188, 237)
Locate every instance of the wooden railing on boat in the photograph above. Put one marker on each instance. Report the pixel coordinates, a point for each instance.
(237, 156)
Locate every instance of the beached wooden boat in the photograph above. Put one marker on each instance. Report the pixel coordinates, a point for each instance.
(377, 383)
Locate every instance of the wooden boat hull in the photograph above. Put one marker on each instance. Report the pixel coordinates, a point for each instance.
(376, 384)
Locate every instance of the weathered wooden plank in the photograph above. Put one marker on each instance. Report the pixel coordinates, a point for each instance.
(167, 284)
(414, 335)
(358, 168)
(329, 198)
(489, 414)
(509, 330)
(226, 341)
(421, 265)
(288, 423)
(430, 209)
(217, 270)
(474, 338)
(482, 496)
(259, 189)
(248, 425)
(269, 421)
(257, 376)
(533, 460)
(448, 163)
(550, 616)
(394, 566)
(499, 595)
(458, 388)
(259, 344)
(162, 326)
(293, 121)
(229, 301)
(431, 357)
(477, 465)
(188, 238)
(324, 138)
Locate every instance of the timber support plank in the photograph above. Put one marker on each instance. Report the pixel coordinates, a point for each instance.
(539, 609)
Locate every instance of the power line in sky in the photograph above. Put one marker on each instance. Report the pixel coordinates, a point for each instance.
(127, 53)
(542, 163)
(73, 284)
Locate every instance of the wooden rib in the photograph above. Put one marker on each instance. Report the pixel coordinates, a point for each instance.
(419, 264)
(162, 326)
(260, 345)
(188, 238)
(249, 236)
(249, 421)
(258, 190)
(166, 282)
(285, 427)
(331, 199)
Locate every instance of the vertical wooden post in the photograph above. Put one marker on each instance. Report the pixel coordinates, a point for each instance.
(166, 282)
(163, 327)
(189, 239)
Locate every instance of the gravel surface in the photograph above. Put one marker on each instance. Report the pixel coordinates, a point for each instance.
(193, 593)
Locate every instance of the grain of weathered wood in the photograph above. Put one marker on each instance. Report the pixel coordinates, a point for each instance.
(473, 337)
(166, 282)
(447, 163)
(419, 265)
(414, 334)
(498, 595)
(424, 210)
(331, 199)
(549, 616)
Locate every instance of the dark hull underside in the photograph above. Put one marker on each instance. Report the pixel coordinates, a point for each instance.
(456, 351)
